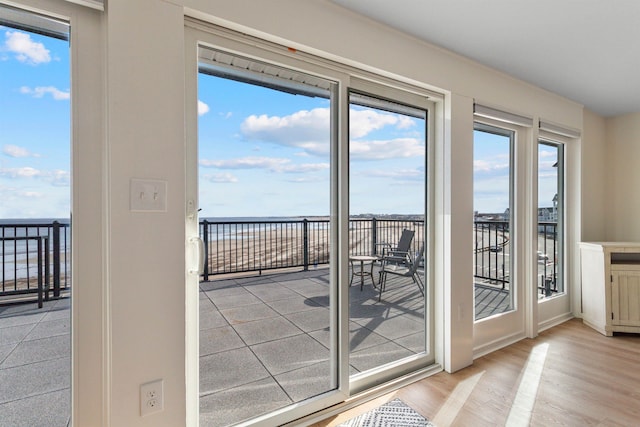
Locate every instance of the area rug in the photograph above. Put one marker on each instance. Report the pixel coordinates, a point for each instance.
(395, 413)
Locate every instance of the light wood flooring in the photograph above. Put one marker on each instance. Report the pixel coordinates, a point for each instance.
(569, 375)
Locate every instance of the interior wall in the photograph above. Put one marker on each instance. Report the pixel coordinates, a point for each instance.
(143, 328)
(623, 174)
(145, 91)
(594, 175)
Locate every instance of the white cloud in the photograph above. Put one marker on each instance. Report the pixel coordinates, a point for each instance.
(546, 153)
(246, 163)
(40, 91)
(202, 108)
(309, 131)
(15, 151)
(363, 122)
(398, 175)
(486, 166)
(32, 194)
(222, 178)
(273, 164)
(57, 178)
(293, 130)
(25, 172)
(25, 49)
(304, 168)
(386, 149)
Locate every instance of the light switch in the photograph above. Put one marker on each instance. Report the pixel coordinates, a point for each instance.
(148, 195)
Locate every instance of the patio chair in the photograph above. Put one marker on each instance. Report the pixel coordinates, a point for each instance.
(407, 268)
(403, 246)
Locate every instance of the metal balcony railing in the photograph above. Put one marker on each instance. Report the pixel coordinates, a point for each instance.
(492, 251)
(246, 246)
(35, 258)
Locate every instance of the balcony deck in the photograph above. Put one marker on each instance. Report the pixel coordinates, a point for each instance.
(245, 322)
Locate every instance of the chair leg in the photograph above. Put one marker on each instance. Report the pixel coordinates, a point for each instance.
(418, 281)
(382, 284)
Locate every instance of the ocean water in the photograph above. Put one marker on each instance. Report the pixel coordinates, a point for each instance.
(221, 228)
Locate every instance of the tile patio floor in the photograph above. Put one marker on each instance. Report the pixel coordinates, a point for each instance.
(264, 344)
(35, 364)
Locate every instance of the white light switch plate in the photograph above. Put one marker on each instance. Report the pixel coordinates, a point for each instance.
(148, 195)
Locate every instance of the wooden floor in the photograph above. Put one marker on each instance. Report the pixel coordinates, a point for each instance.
(569, 375)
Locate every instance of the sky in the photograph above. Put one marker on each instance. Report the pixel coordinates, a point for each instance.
(491, 173)
(265, 152)
(262, 152)
(34, 126)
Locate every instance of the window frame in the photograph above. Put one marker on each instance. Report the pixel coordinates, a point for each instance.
(511, 132)
(561, 211)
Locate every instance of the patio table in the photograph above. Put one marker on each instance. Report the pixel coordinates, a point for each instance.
(362, 272)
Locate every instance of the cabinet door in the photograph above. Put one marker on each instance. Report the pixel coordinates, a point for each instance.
(625, 298)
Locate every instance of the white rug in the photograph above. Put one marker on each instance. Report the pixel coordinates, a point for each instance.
(395, 413)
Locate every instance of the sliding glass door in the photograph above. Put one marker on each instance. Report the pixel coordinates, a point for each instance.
(307, 204)
(388, 233)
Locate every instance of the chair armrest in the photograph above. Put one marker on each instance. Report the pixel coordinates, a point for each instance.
(386, 247)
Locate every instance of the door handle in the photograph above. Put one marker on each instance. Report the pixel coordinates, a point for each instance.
(199, 268)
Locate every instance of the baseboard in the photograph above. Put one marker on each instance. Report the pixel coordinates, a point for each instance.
(555, 321)
(497, 344)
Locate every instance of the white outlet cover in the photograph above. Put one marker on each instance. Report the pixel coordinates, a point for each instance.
(148, 195)
(151, 397)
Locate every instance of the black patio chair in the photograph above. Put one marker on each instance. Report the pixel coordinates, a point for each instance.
(405, 266)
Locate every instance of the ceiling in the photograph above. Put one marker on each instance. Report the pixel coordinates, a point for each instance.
(584, 50)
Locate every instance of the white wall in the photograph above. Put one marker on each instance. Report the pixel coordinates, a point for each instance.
(595, 173)
(141, 335)
(623, 173)
(145, 89)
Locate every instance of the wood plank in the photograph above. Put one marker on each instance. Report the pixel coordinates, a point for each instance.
(586, 379)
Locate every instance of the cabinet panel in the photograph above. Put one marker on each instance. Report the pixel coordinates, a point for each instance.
(610, 278)
(625, 298)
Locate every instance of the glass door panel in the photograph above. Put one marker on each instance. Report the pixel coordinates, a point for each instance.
(264, 155)
(387, 206)
(35, 220)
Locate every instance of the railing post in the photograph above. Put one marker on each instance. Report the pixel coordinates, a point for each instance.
(305, 243)
(205, 243)
(39, 240)
(47, 269)
(374, 235)
(56, 259)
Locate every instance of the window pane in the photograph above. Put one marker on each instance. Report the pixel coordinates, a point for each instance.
(387, 181)
(264, 195)
(35, 233)
(550, 218)
(492, 205)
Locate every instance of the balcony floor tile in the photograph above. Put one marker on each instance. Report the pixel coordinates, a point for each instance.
(229, 369)
(239, 403)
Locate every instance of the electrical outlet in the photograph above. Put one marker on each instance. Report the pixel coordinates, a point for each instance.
(151, 397)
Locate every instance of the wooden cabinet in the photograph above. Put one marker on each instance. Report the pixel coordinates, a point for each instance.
(610, 273)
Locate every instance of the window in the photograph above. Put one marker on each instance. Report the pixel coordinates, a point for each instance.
(550, 254)
(493, 219)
